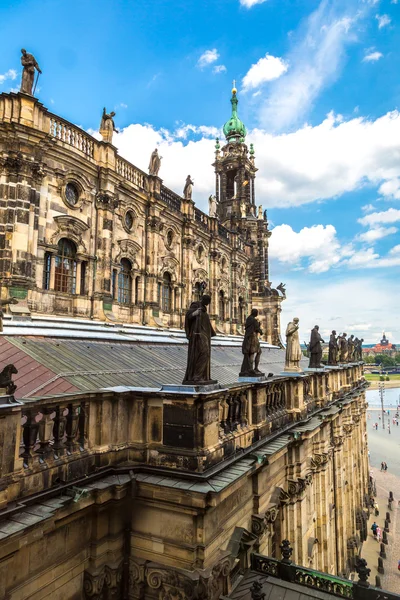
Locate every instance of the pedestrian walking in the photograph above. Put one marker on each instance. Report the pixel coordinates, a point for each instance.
(386, 467)
(376, 509)
(382, 466)
(374, 527)
(378, 533)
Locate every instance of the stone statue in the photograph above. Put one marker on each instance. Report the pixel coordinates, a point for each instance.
(260, 213)
(187, 190)
(293, 349)
(5, 303)
(107, 126)
(343, 348)
(350, 349)
(333, 349)
(29, 64)
(359, 350)
(315, 348)
(265, 215)
(251, 348)
(212, 206)
(199, 332)
(155, 163)
(6, 381)
(243, 209)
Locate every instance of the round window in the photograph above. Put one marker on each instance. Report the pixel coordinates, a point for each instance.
(129, 220)
(170, 238)
(200, 252)
(72, 194)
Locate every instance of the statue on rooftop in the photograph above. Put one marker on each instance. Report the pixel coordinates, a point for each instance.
(260, 213)
(188, 189)
(5, 303)
(350, 349)
(333, 349)
(199, 332)
(107, 126)
(251, 348)
(243, 209)
(212, 206)
(155, 163)
(293, 349)
(343, 348)
(29, 64)
(359, 350)
(315, 348)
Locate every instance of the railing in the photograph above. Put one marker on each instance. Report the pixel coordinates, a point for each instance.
(67, 133)
(52, 431)
(201, 218)
(223, 232)
(172, 199)
(130, 173)
(275, 405)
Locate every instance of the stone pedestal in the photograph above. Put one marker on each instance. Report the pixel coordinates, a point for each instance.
(191, 389)
(255, 379)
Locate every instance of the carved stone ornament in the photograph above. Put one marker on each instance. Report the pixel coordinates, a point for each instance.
(168, 264)
(318, 460)
(72, 228)
(348, 428)
(93, 584)
(106, 200)
(258, 524)
(271, 514)
(128, 249)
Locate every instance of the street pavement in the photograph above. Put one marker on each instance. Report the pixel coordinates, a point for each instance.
(385, 446)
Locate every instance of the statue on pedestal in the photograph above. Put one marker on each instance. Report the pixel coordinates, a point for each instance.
(359, 350)
(29, 64)
(293, 349)
(251, 348)
(315, 348)
(155, 163)
(350, 349)
(212, 206)
(260, 213)
(243, 210)
(107, 126)
(187, 190)
(333, 349)
(199, 332)
(343, 348)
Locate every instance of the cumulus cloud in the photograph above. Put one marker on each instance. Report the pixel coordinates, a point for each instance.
(219, 69)
(10, 74)
(376, 234)
(392, 215)
(317, 244)
(315, 62)
(383, 20)
(372, 56)
(265, 69)
(207, 58)
(368, 208)
(390, 189)
(250, 3)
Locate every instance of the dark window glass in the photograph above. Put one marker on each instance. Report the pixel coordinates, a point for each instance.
(129, 220)
(71, 194)
(83, 277)
(222, 306)
(114, 284)
(65, 267)
(46, 271)
(137, 290)
(125, 282)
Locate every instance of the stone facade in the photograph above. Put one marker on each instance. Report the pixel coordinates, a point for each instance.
(85, 233)
(112, 505)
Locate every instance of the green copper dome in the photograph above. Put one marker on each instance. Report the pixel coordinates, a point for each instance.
(234, 129)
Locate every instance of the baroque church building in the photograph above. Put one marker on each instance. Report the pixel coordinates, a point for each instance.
(85, 233)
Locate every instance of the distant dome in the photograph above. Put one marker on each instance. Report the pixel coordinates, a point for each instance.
(234, 129)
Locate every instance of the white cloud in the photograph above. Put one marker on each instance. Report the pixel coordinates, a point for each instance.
(390, 189)
(219, 69)
(372, 56)
(207, 58)
(10, 74)
(368, 208)
(343, 297)
(250, 3)
(315, 62)
(392, 215)
(383, 20)
(265, 69)
(376, 234)
(317, 244)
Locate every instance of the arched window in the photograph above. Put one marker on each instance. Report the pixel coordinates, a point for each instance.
(46, 271)
(125, 282)
(197, 292)
(221, 305)
(166, 292)
(65, 267)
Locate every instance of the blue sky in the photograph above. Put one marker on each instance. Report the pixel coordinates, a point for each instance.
(319, 89)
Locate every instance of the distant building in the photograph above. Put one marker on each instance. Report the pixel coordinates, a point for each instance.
(384, 347)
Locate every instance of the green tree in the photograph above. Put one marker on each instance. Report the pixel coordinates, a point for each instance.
(384, 360)
(369, 360)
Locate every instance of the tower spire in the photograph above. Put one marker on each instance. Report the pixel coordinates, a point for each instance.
(234, 129)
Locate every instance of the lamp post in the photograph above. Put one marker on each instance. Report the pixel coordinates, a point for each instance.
(382, 393)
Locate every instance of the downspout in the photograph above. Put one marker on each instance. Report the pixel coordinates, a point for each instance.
(147, 213)
(335, 500)
(94, 270)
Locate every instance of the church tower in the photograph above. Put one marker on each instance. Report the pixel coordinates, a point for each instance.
(235, 174)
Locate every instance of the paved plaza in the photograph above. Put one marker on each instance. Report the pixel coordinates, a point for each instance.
(385, 446)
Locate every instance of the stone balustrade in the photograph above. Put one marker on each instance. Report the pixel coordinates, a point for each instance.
(69, 134)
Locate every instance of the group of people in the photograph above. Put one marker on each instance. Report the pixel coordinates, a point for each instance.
(384, 466)
(376, 531)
